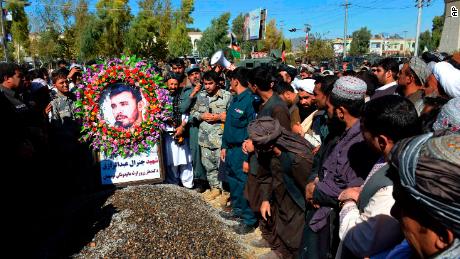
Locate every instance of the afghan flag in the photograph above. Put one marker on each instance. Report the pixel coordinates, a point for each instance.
(235, 49)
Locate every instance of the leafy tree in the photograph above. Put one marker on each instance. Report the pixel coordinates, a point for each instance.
(273, 37)
(114, 18)
(89, 37)
(66, 39)
(82, 18)
(185, 11)
(166, 20)
(436, 31)
(48, 16)
(59, 30)
(431, 39)
(319, 49)
(179, 41)
(48, 48)
(48, 28)
(215, 37)
(19, 26)
(144, 37)
(360, 43)
(238, 30)
(288, 45)
(425, 41)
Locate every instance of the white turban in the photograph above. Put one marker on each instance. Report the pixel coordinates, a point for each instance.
(306, 85)
(448, 77)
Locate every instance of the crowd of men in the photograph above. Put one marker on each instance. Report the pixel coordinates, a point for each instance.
(341, 164)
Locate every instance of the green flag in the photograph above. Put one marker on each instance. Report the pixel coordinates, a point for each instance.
(235, 53)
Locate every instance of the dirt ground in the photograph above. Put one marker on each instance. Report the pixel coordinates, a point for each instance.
(252, 252)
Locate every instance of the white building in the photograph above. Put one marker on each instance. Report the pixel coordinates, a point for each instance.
(388, 47)
(380, 46)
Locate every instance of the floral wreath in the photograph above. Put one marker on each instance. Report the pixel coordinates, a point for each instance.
(115, 140)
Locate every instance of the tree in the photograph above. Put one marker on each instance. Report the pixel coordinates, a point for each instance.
(143, 37)
(360, 43)
(58, 28)
(215, 37)
(319, 49)
(47, 46)
(82, 19)
(185, 11)
(273, 37)
(48, 29)
(431, 40)
(19, 26)
(425, 41)
(89, 38)
(179, 41)
(66, 39)
(436, 31)
(238, 30)
(287, 45)
(48, 16)
(114, 18)
(166, 20)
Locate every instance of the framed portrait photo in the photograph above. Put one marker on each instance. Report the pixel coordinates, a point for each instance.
(124, 107)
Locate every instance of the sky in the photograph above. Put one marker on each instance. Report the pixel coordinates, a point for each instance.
(326, 17)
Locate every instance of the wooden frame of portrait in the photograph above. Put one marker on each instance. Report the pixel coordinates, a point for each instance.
(135, 170)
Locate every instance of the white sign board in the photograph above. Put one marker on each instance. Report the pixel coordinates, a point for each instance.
(254, 24)
(143, 167)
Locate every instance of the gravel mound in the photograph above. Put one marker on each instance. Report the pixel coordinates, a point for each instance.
(162, 221)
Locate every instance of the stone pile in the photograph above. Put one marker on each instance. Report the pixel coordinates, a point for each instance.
(162, 221)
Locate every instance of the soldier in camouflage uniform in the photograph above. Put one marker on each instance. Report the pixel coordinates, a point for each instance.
(62, 110)
(210, 111)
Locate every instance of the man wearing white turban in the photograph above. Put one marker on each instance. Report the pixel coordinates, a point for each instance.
(445, 81)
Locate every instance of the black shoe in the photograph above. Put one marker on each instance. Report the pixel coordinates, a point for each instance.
(200, 186)
(229, 216)
(243, 229)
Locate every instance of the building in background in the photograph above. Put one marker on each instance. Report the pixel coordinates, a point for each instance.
(380, 46)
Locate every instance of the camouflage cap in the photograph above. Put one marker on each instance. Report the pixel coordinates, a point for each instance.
(420, 68)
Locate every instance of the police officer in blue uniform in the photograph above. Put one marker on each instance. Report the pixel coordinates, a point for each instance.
(239, 114)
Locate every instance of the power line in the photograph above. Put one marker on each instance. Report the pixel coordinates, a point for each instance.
(383, 8)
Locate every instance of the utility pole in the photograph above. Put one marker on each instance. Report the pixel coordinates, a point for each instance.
(345, 29)
(2, 21)
(307, 36)
(419, 21)
(419, 5)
